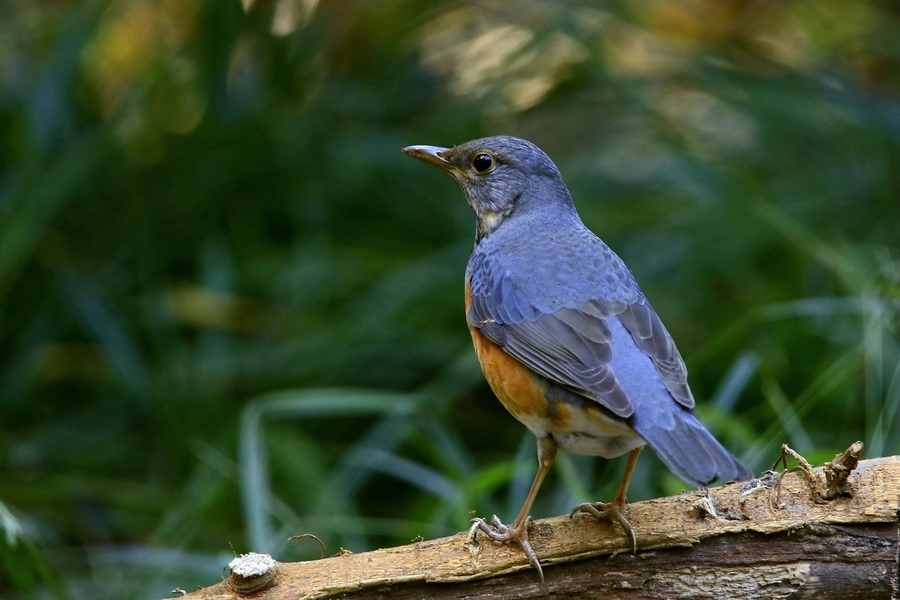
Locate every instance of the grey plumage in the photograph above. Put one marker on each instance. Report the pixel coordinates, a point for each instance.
(579, 319)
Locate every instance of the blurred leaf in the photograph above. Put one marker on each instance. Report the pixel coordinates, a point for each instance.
(22, 564)
(300, 404)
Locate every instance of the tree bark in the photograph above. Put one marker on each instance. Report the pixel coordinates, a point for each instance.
(734, 541)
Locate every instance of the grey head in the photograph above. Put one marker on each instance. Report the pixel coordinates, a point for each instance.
(501, 176)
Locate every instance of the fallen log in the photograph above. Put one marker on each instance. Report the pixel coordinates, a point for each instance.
(783, 535)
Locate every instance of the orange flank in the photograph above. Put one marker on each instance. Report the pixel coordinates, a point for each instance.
(520, 389)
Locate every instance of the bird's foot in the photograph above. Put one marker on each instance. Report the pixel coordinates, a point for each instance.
(609, 511)
(516, 533)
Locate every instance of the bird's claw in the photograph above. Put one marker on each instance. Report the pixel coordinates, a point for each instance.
(499, 532)
(609, 511)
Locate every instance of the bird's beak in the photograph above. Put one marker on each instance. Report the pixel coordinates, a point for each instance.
(436, 156)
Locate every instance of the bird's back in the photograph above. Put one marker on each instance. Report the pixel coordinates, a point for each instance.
(551, 264)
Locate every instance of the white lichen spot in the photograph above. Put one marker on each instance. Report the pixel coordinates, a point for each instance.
(252, 564)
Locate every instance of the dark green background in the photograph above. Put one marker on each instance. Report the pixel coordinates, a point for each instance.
(197, 213)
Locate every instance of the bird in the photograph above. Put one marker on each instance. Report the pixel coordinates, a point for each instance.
(566, 339)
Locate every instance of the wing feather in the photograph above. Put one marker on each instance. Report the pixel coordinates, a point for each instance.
(574, 346)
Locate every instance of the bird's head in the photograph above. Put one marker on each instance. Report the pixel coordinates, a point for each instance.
(500, 176)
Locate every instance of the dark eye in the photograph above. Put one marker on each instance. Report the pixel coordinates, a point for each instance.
(482, 162)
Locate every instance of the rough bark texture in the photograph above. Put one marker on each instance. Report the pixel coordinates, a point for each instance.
(729, 542)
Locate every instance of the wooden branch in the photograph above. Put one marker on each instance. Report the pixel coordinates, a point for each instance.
(728, 542)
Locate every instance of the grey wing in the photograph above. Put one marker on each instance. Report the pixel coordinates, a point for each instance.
(574, 346)
(654, 340)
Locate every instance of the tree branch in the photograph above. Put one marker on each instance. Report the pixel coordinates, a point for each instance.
(734, 541)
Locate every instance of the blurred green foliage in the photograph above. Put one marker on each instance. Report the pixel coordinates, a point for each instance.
(204, 211)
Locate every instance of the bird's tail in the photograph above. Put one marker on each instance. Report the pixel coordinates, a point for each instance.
(690, 451)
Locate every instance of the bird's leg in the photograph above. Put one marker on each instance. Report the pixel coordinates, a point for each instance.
(518, 531)
(613, 510)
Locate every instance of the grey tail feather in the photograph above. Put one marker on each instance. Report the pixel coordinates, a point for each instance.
(691, 452)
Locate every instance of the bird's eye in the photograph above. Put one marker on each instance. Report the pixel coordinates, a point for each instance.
(482, 162)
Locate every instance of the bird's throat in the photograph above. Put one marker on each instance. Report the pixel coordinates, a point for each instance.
(487, 220)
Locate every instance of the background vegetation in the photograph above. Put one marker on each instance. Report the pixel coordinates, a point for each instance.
(231, 309)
